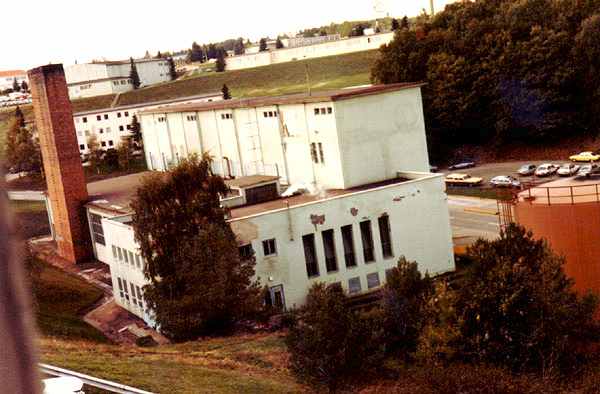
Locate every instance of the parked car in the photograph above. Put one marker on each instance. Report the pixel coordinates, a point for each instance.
(526, 169)
(585, 156)
(505, 181)
(462, 165)
(433, 168)
(588, 170)
(546, 169)
(568, 169)
(463, 180)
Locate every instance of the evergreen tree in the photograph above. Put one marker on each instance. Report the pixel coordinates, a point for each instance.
(24, 86)
(19, 117)
(147, 55)
(279, 43)
(172, 69)
(220, 64)
(226, 94)
(262, 45)
(395, 24)
(94, 153)
(196, 53)
(159, 55)
(212, 51)
(136, 131)
(16, 86)
(133, 75)
(124, 153)
(198, 282)
(404, 24)
(239, 48)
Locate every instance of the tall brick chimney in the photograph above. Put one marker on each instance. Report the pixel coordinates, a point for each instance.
(65, 180)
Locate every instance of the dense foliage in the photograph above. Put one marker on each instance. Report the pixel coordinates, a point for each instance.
(515, 308)
(502, 70)
(199, 284)
(22, 151)
(329, 342)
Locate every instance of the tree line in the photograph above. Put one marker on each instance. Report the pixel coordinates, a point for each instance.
(499, 71)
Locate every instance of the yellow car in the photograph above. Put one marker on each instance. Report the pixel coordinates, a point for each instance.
(585, 156)
(462, 180)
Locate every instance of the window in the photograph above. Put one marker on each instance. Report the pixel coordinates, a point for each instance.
(128, 127)
(110, 143)
(133, 293)
(131, 258)
(226, 116)
(108, 129)
(118, 114)
(87, 133)
(329, 247)
(126, 113)
(316, 111)
(321, 153)
(190, 118)
(385, 235)
(348, 241)
(313, 152)
(105, 116)
(310, 255)
(120, 254)
(270, 114)
(137, 261)
(120, 287)
(246, 251)
(367, 241)
(100, 131)
(373, 280)
(323, 111)
(275, 113)
(114, 250)
(121, 128)
(125, 290)
(269, 247)
(139, 295)
(97, 230)
(98, 117)
(354, 285)
(103, 143)
(80, 133)
(265, 114)
(329, 110)
(81, 146)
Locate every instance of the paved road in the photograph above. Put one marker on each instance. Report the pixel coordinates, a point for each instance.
(473, 217)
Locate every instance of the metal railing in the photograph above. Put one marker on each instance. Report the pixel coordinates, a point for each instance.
(571, 194)
(92, 381)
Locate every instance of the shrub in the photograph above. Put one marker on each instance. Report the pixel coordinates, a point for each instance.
(403, 300)
(328, 342)
(146, 341)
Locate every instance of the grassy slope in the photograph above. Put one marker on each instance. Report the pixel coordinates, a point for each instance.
(240, 364)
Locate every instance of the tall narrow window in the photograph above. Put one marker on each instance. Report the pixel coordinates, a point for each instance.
(313, 152)
(269, 247)
(367, 241)
(321, 153)
(385, 235)
(97, 230)
(246, 251)
(348, 241)
(125, 290)
(310, 255)
(120, 288)
(329, 247)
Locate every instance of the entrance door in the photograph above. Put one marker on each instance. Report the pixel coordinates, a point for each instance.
(277, 297)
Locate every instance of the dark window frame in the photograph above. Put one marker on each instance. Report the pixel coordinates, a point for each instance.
(269, 247)
(385, 236)
(310, 255)
(97, 229)
(349, 248)
(366, 236)
(328, 237)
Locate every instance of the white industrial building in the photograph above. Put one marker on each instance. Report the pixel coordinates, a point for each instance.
(327, 48)
(110, 125)
(7, 78)
(110, 77)
(353, 166)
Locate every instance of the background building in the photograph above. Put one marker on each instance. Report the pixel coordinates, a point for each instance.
(110, 77)
(7, 78)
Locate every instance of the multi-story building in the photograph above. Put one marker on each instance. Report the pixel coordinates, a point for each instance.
(110, 77)
(358, 194)
(7, 78)
(109, 125)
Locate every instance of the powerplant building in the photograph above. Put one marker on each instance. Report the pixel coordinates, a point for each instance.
(330, 187)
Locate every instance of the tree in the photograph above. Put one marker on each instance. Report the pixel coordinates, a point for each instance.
(136, 132)
(212, 51)
(16, 86)
(198, 282)
(196, 53)
(22, 151)
(19, 117)
(147, 55)
(279, 43)
(172, 69)
(220, 64)
(159, 55)
(24, 86)
(94, 153)
(517, 308)
(404, 297)
(328, 341)
(404, 24)
(133, 75)
(395, 24)
(358, 30)
(225, 92)
(239, 48)
(124, 153)
(262, 45)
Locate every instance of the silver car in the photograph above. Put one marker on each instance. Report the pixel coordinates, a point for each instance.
(526, 169)
(505, 181)
(569, 169)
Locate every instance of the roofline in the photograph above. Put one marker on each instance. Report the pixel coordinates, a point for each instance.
(131, 106)
(97, 80)
(290, 99)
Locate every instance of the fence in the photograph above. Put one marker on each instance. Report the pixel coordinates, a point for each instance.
(569, 194)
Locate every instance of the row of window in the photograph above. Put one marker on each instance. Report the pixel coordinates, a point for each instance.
(97, 230)
(323, 111)
(270, 114)
(127, 257)
(101, 130)
(314, 149)
(136, 292)
(331, 259)
(161, 119)
(122, 82)
(192, 118)
(84, 119)
(355, 286)
(103, 144)
(226, 116)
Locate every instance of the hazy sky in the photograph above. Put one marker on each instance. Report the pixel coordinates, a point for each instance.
(43, 31)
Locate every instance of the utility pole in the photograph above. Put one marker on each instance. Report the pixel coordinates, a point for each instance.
(431, 7)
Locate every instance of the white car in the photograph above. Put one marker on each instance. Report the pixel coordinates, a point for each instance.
(568, 169)
(546, 169)
(587, 170)
(505, 181)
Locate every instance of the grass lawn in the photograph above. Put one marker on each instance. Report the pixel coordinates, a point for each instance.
(239, 364)
(60, 298)
(479, 192)
(31, 218)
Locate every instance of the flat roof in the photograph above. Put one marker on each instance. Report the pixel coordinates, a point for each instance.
(563, 191)
(250, 180)
(150, 103)
(299, 98)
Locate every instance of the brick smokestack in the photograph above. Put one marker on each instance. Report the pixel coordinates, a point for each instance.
(65, 180)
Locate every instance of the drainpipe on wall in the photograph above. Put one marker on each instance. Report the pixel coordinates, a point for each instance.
(312, 163)
(283, 144)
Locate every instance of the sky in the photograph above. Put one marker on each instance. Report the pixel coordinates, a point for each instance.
(65, 31)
